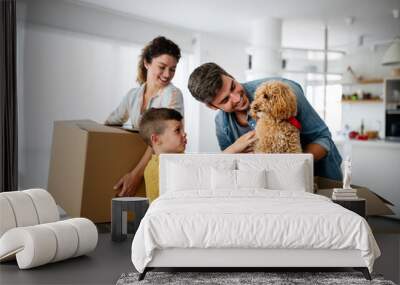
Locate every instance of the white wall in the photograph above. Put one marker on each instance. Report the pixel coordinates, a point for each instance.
(191, 120)
(231, 56)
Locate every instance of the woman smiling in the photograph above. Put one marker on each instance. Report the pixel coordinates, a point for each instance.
(156, 69)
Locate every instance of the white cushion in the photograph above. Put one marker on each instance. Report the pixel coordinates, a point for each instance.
(67, 238)
(188, 176)
(293, 181)
(33, 246)
(7, 218)
(23, 208)
(251, 178)
(282, 174)
(87, 233)
(182, 177)
(45, 205)
(40, 244)
(223, 179)
(26, 208)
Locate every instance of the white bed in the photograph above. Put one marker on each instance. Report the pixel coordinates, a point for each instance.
(203, 219)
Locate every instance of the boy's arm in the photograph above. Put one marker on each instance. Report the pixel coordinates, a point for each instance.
(128, 184)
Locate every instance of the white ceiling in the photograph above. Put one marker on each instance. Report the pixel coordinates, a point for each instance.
(232, 18)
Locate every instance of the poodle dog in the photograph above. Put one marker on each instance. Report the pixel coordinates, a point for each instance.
(274, 108)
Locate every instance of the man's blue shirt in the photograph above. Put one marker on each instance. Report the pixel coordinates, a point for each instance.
(313, 129)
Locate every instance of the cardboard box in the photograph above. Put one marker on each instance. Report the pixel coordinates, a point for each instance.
(87, 160)
(375, 204)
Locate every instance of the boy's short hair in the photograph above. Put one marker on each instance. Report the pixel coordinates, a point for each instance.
(153, 122)
(205, 81)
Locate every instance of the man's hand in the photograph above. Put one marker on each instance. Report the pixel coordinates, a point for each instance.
(128, 184)
(243, 144)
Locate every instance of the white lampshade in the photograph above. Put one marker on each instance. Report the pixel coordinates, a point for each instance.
(392, 55)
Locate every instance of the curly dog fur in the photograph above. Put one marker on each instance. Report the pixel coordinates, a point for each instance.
(273, 105)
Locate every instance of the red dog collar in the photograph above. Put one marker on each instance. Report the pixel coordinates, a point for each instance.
(295, 122)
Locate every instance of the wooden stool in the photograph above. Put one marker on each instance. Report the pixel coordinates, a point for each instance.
(119, 217)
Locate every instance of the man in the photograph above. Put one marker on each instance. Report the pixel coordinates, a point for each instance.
(213, 86)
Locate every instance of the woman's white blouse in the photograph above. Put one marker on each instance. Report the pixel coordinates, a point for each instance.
(129, 108)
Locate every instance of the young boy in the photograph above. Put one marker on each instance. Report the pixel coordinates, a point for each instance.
(162, 129)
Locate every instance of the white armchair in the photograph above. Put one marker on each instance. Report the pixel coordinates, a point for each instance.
(31, 232)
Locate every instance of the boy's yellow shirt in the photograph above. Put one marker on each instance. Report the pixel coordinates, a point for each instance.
(151, 178)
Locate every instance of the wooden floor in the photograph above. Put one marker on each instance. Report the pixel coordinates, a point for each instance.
(111, 259)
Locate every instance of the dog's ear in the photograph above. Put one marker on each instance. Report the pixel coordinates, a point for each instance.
(290, 101)
(278, 108)
(283, 104)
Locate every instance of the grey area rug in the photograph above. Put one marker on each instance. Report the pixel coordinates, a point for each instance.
(228, 278)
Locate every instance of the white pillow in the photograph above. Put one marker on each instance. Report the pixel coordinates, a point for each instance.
(237, 179)
(187, 176)
(295, 180)
(182, 178)
(223, 179)
(282, 174)
(251, 178)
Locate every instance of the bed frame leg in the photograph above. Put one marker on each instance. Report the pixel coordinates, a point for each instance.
(143, 274)
(364, 271)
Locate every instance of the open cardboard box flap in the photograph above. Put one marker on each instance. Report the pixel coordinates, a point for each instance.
(375, 204)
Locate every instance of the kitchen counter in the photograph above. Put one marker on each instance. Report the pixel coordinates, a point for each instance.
(340, 141)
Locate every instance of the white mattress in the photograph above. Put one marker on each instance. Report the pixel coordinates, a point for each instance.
(253, 218)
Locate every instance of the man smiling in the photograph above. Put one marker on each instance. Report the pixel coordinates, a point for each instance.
(213, 86)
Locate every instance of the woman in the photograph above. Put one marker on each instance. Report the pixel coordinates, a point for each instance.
(156, 69)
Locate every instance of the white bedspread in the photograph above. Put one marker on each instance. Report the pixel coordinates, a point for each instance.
(250, 219)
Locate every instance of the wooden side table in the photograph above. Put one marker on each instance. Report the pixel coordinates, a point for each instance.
(357, 205)
(119, 216)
